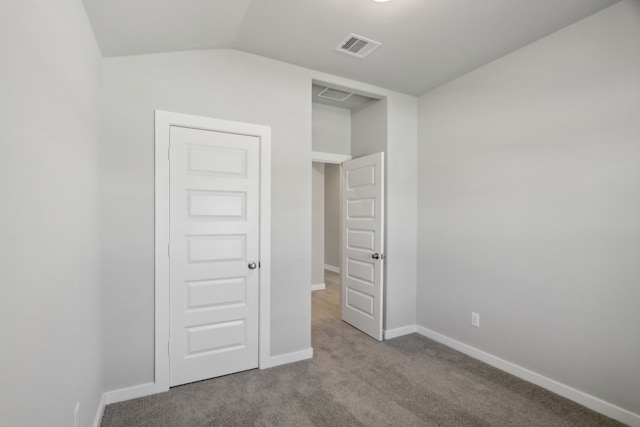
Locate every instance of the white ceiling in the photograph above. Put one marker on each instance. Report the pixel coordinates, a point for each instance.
(424, 42)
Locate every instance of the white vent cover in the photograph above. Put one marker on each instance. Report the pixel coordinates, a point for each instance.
(357, 46)
(334, 94)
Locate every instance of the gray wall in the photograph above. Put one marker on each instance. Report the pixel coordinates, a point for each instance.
(223, 84)
(369, 129)
(50, 311)
(402, 211)
(529, 207)
(317, 224)
(332, 214)
(331, 129)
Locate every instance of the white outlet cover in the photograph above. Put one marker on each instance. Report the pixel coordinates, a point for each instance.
(475, 319)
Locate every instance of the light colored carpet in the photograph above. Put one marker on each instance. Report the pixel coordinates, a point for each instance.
(354, 380)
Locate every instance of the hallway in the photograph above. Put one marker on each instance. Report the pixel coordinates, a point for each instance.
(325, 304)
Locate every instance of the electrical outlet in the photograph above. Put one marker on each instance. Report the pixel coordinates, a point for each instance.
(475, 319)
(76, 415)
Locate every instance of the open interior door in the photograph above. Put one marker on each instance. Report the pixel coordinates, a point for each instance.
(363, 243)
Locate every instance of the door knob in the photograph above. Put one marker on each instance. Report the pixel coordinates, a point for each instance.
(375, 256)
(252, 265)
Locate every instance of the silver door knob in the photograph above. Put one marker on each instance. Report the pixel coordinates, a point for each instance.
(252, 265)
(375, 256)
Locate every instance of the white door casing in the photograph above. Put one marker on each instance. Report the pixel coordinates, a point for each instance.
(362, 269)
(213, 210)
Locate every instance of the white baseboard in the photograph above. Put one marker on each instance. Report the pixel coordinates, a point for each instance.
(563, 390)
(318, 286)
(134, 392)
(332, 268)
(398, 332)
(100, 411)
(147, 389)
(283, 359)
(121, 395)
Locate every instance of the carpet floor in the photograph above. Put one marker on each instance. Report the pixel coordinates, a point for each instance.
(355, 381)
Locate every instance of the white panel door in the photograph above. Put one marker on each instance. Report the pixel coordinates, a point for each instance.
(214, 238)
(363, 243)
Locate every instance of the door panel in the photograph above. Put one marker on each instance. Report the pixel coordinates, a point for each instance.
(363, 233)
(214, 214)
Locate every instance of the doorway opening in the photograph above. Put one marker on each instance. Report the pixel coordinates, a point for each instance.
(352, 128)
(326, 248)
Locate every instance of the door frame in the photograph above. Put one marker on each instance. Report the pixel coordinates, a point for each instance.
(163, 121)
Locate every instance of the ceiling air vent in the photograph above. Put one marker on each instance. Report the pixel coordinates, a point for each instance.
(357, 46)
(334, 94)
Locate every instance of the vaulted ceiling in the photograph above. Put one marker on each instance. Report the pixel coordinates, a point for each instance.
(424, 42)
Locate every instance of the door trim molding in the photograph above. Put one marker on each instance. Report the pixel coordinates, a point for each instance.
(163, 121)
(318, 156)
